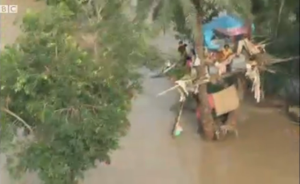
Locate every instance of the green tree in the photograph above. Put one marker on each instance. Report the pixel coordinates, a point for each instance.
(278, 21)
(69, 85)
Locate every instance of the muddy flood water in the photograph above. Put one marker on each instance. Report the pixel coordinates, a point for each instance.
(266, 152)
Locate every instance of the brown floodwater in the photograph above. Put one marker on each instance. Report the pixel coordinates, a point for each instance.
(266, 151)
(10, 22)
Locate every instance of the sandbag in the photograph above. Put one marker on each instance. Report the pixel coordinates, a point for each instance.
(226, 100)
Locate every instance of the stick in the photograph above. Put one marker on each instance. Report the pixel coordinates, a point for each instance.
(169, 68)
(177, 120)
(179, 114)
(166, 91)
(283, 60)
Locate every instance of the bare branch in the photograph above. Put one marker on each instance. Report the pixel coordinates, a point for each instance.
(18, 118)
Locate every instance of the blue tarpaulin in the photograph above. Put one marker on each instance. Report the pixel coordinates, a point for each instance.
(223, 22)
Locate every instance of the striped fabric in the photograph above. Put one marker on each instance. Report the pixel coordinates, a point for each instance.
(234, 31)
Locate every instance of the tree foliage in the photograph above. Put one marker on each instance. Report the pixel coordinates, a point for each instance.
(276, 21)
(71, 100)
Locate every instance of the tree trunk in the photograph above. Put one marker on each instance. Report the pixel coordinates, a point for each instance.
(72, 178)
(206, 115)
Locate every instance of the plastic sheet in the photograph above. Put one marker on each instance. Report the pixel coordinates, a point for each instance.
(229, 24)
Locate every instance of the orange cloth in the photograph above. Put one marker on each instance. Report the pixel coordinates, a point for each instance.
(226, 53)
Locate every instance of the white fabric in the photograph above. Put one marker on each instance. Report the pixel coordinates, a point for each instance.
(254, 76)
(197, 61)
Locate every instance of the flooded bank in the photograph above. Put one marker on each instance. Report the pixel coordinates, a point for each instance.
(267, 150)
(10, 22)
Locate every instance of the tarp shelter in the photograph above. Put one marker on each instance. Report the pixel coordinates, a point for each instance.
(227, 24)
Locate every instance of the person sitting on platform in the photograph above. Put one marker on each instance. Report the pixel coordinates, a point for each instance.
(224, 60)
(226, 52)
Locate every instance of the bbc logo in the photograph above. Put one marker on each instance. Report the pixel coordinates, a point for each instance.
(8, 9)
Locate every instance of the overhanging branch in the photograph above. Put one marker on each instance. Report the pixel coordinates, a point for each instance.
(18, 118)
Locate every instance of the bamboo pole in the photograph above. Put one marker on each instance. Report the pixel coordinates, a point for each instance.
(229, 74)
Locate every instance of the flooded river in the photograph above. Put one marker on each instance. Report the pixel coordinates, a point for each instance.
(267, 150)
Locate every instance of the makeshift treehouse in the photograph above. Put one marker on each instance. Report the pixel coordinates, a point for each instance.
(246, 57)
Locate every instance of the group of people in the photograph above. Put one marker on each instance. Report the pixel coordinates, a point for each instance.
(189, 56)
